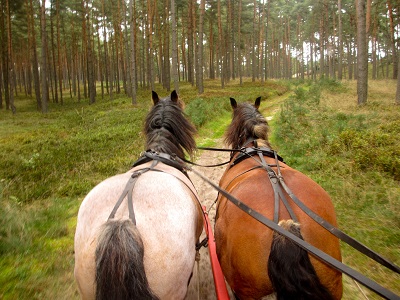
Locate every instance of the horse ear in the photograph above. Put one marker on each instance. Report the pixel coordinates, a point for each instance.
(174, 96)
(155, 97)
(257, 102)
(233, 103)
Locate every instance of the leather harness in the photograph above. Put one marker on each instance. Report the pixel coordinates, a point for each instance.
(155, 158)
(279, 185)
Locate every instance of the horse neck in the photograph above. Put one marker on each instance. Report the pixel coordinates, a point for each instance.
(263, 143)
(165, 145)
(255, 142)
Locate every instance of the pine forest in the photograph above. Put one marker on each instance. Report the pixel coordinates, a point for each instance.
(52, 50)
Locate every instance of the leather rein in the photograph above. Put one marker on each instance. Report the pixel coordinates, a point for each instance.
(279, 186)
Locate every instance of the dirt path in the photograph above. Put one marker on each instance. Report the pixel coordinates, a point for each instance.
(202, 284)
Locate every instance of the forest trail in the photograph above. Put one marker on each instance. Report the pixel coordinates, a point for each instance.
(202, 284)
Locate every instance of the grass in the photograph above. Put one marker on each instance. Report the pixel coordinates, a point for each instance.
(353, 152)
(49, 163)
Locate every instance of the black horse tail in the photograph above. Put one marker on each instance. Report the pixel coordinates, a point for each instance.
(120, 270)
(290, 270)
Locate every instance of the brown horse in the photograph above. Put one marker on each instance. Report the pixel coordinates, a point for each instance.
(256, 261)
(143, 248)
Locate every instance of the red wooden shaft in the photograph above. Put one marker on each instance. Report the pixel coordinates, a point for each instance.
(219, 279)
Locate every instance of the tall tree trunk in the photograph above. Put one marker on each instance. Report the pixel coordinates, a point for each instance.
(350, 60)
(253, 43)
(105, 56)
(212, 48)
(90, 64)
(175, 66)
(73, 63)
(4, 53)
(261, 42)
(165, 49)
(35, 66)
(60, 79)
(127, 61)
(312, 68)
(267, 48)
(83, 59)
(190, 68)
(161, 36)
(240, 43)
(53, 50)
(133, 51)
(184, 54)
(398, 89)
(149, 28)
(121, 48)
(230, 41)
(100, 60)
(10, 60)
(144, 53)
(392, 39)
(44, 67)
(340, 58)
(200, 84)
(321, 48)
(221, 51)
(374, 42)
(362, 54)
(195, 49)
(1, 82)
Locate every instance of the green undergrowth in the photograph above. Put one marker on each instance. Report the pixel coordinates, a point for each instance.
(354, 153)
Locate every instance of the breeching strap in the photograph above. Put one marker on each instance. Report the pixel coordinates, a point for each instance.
(128, 191)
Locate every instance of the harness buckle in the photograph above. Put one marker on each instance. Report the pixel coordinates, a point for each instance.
(203, 243)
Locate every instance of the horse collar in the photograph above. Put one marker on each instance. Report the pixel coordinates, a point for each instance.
(165, 158)
(252, 151)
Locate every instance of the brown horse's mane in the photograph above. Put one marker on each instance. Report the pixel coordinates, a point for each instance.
(247, 122)
(168, 130)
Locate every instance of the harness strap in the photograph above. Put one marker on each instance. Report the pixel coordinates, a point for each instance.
(129, 185)
(128, 191)
(250, 151)
(278, 193)
(155, 158)
(130, 206)
(380, 290)
(245, 152)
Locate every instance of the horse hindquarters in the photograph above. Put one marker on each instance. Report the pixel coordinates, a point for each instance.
(120, 272)
(290, 270)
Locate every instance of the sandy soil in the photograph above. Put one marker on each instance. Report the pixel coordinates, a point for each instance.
(202, 284)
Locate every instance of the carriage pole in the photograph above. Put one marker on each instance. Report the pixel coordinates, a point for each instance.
(219, 279)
